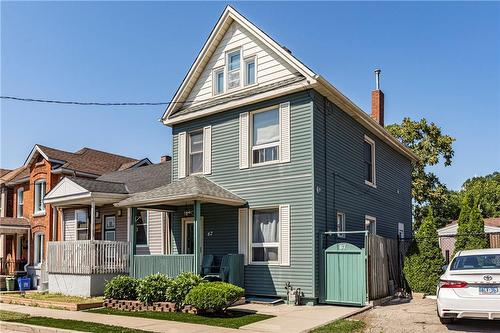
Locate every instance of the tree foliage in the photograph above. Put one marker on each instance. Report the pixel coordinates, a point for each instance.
(486, 190)
(431, 146)
(424, 261)
(470, 233)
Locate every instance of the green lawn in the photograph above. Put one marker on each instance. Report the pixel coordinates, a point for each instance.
(234, 319)
(76, 325)
(342, 326)
(57, 297)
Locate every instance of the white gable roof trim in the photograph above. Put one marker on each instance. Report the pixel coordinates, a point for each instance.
(312, 80)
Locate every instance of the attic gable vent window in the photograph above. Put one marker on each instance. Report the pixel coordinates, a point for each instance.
(233, 69)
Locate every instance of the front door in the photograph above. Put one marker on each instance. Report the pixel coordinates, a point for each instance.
(188, 235)
(110, 227)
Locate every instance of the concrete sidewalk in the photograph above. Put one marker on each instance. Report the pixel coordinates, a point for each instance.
(153, 325)
(289, 319)
(295, 319)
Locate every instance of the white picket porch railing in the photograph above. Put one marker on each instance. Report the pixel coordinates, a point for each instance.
(88, 257)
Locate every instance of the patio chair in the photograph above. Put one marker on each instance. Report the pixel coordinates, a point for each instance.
(223, 271)
(207, 264)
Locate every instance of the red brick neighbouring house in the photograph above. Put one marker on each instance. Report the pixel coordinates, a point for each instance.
(28, 223)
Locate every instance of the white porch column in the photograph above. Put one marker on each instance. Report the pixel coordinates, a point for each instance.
(54, 223)
(92, 220)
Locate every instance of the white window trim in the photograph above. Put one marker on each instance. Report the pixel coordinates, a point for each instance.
(374, 174)
(266, 145)
(104, 228)
(147, 230)
(401, 230)
(188, 148)
(226, 70)
(271, 244)
(190, 220)
(76, 222)
(373, 220)
(19, 212)
(215, 71)
(36, 260)
(342, 224)
(245, 72)
(40, 212)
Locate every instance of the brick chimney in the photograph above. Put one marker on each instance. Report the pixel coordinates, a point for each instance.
(378, 101)
(165, 158)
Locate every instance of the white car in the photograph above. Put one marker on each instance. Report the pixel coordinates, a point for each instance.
(470, 286)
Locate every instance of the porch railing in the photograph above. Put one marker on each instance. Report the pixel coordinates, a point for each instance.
(171, 264)
(9, 266)
(88, 257)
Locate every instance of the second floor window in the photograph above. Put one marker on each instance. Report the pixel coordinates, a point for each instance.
(195, 152)
(249, 71)
(40, 186)
(265, 136)
(20, 202)
(369, 161)
(233, 69)
(219, 81)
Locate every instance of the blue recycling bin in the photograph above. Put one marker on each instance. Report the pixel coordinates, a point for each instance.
(24, 283)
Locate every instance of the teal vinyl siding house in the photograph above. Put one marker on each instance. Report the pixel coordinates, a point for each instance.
(267, 156)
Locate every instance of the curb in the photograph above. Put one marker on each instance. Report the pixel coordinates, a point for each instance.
(18, 327)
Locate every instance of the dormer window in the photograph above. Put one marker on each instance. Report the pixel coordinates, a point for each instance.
(233, 69)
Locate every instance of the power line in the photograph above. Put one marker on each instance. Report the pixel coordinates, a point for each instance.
(86, 103)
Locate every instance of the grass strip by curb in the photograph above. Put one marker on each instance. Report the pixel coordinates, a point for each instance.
(342, 326)
(235, 319)
(75, 325)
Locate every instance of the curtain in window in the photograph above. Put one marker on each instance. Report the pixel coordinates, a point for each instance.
(265, 226)
(266, 127)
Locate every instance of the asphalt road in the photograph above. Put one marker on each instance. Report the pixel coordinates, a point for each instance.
(418, 315)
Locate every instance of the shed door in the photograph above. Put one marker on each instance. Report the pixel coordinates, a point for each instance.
(345, 275)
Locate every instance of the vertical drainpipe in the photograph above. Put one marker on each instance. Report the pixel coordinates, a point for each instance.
(131, 212)
(197, 237)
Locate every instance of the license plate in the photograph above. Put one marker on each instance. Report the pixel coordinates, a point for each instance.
(489, 290)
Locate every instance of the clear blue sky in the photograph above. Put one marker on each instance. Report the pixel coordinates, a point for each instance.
(440, 61)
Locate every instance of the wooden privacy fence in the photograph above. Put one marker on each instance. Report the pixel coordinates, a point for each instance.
(171, 264)
(88, 257)
(383, 265)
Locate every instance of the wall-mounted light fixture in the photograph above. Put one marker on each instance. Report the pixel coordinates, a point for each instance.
(119, 213)
(97, 214)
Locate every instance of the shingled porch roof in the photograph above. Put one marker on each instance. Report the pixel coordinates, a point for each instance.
(184, 191)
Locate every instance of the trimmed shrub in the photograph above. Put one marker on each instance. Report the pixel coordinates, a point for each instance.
(214, 296)
(470, 233)
(424, 261)
(121, 287)
(181, 286)
(153, 288)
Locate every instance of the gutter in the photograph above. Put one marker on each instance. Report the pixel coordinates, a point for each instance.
(73, 172)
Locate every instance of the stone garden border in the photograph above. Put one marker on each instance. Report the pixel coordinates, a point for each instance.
(125, 305)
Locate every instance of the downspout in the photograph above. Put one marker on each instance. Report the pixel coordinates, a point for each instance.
(29, 251)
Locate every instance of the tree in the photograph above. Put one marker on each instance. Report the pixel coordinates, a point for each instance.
(424, 261)
(431, 146)
(486, 190)
(470, 233)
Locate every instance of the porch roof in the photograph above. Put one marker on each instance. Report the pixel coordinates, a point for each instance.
(14, 224)
(184, 191)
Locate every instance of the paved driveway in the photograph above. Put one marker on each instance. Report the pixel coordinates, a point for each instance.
(418, 315)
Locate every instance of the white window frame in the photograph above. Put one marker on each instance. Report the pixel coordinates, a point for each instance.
(147, 230)
(38, 258)
(266, 145)
(341, 225)
(214, 80)
(41, 210)
(263, 245)
(372, 183)
(246, 60)
(189, 153)
(105, 227)
(226, 74)
(76, 223)
(371, 220)
(20, 203)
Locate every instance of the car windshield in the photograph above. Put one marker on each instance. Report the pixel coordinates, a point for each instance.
(480, 261)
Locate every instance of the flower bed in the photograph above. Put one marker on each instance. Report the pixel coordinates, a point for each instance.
(125, 305)
(53, 301)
